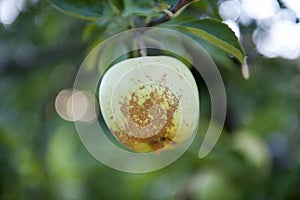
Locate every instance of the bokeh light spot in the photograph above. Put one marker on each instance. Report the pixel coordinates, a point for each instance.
(282, 40)
(9, 10)
(75, 105)
(254, 149)
(258, 9)
(230, 9)
(294, 4)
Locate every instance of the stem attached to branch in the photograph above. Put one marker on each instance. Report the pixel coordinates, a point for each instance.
(174, 9)
(141, 43)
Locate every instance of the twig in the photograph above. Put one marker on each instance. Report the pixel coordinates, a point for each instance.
(141, 43)
(173, 10)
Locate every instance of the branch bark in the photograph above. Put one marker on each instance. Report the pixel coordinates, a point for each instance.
(174, 9)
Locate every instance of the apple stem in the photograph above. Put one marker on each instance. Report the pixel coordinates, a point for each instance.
(177, 7)
(141, 43)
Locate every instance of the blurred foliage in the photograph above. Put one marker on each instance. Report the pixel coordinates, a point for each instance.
(115, 16)
(41, 156)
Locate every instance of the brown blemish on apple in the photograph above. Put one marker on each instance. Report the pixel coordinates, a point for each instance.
(149, 118)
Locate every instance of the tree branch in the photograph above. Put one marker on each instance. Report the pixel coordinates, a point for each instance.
(174, 9)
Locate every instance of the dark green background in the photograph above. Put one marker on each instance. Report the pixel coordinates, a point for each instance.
(41, 156)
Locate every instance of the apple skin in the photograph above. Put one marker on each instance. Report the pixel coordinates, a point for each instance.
(150, 103)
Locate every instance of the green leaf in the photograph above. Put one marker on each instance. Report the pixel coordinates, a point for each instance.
(217, 34)
(140, 8)
(206, 7)
(219, 30)
(89, 9)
